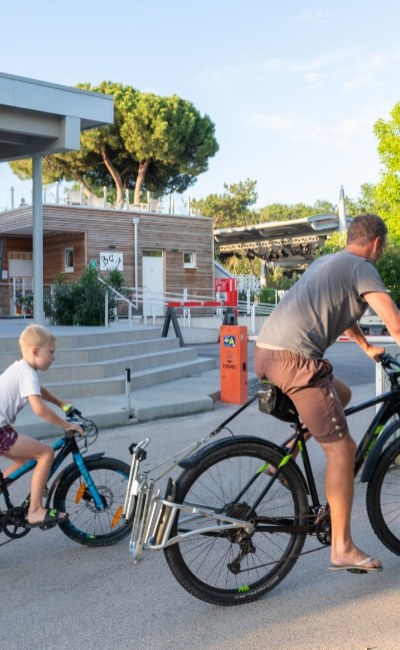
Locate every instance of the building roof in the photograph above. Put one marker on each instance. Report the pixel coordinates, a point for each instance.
(287, 243)
(37, 117)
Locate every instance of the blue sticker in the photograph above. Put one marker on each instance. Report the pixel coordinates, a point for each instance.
(229, 341)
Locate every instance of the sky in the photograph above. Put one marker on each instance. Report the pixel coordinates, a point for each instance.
(293, 87)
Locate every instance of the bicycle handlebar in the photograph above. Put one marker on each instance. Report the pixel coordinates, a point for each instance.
(387, 361)
(89, 427)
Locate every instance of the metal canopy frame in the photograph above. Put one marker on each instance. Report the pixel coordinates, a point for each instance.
(38, 118)
(289, 244)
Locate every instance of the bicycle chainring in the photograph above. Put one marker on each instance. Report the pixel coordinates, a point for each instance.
(13, 523)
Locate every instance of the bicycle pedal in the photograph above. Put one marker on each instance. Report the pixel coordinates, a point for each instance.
(47, 526)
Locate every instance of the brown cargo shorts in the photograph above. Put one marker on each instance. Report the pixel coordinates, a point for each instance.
(309, 384)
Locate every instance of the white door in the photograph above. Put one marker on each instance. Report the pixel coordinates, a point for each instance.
(153, 283)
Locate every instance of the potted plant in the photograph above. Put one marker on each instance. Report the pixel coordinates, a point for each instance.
(26, 303)
(18, 305)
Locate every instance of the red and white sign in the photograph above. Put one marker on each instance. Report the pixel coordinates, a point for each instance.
(226, 290)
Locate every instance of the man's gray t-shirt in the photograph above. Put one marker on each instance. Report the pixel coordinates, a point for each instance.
(322, 304)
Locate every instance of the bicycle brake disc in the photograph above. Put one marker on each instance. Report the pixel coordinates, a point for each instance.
(13, 523)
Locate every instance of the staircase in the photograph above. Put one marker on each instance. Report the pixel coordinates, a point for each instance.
(94, 364)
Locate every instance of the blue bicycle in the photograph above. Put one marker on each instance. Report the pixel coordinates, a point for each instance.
(91, 489)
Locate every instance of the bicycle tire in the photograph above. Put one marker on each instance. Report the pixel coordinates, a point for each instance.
(86, 523)
(383, 498)
(200, 564)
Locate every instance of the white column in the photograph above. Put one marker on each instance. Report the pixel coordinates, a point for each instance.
(37, 239)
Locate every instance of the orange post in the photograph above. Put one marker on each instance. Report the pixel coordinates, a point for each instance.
(233, 364)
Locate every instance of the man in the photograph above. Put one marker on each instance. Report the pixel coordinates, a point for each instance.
(326, 302)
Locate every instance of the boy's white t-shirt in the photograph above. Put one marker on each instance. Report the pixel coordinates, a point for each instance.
(17, 383)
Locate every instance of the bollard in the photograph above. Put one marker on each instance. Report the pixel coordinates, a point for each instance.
(128, 388)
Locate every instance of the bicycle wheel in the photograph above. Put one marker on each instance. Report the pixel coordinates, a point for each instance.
(383, 498)
(87, 524)
(233, 567)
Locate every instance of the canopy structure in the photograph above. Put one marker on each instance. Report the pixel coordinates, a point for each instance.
(290, 244)
(37, 119)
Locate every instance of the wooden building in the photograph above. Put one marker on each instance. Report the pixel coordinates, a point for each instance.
(173, 252)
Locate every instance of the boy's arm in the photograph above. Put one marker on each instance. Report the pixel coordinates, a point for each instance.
(41, 410)
(49, 397)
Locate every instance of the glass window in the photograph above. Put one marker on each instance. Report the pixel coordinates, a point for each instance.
(189, 259)
(69, 260)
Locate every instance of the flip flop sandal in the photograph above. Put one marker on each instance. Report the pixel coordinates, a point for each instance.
(359, 567)
(51, 518)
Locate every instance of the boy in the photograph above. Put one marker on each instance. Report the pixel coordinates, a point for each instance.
(20, 384)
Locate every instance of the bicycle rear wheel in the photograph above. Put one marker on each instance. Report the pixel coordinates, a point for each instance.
(233, 567)
(88, 524)
(383, 498)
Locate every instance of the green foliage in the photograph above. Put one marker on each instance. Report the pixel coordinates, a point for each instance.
(389, 269)
(157, 144)
(267, 294)
(334, 243)
(277, 278)
(80, 303)
(232, 208)
(387, 191)
(116, 279)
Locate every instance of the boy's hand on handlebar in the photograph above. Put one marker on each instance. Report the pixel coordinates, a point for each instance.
(74, 426)
(375, 352)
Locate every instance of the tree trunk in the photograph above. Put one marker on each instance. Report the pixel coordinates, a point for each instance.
(143, 167)
(115, 176)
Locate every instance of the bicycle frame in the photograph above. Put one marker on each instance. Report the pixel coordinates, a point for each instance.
(154, 516)
(65, 446)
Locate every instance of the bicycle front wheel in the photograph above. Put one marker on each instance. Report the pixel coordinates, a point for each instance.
(87, 524)
(383, 498)
(233, 567)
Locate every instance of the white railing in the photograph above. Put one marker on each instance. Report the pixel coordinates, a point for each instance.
(152, 305)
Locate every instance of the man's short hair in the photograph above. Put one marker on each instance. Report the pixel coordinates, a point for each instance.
(35, 336)
(366, 227)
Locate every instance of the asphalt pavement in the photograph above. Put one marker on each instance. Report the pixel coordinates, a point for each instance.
(58, 595)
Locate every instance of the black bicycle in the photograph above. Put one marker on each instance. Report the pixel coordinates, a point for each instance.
(235, 521)
(91, 490)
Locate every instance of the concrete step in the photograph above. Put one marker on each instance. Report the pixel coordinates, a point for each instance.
(108, 368)
(115, 385)
(99, 353)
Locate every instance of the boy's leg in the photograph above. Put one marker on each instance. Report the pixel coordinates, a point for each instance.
(24, 449)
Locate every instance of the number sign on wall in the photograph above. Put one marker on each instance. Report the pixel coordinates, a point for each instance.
(110, 260)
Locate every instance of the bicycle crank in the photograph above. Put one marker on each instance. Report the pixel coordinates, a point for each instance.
(13, 523)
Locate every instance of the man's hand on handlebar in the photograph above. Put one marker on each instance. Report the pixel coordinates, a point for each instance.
(375, 352)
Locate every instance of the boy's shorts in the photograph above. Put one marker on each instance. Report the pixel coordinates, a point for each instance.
(309, 384)
(8, 437)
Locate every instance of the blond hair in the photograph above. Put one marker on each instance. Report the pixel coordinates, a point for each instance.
(35, 336)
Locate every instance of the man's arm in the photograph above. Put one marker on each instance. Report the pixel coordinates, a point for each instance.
(356, 334)
(386, 309)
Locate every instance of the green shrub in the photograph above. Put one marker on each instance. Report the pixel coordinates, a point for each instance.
(80, 303)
